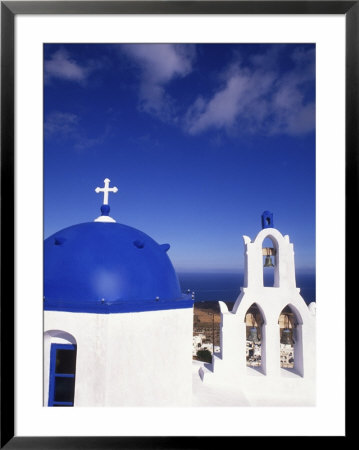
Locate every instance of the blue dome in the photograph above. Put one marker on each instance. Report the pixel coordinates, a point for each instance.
(108, 268)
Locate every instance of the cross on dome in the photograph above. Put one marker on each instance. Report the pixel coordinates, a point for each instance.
(105, 209)
(106, 189)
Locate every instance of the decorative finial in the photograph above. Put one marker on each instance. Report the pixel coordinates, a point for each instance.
(267, 220)
(105, 208)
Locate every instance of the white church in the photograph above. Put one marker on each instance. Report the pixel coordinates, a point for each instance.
(118, 330)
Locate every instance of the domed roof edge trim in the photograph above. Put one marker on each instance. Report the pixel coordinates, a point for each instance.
(118, 307)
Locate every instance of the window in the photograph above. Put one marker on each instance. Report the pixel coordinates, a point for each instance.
(62, 375)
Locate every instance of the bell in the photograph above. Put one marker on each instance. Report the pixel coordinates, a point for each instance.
(286, 337)
(253, 334)
(268, 262)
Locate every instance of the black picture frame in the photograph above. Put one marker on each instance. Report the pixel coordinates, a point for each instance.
(9, 9)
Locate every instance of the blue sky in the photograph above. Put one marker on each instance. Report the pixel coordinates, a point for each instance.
(199, 140)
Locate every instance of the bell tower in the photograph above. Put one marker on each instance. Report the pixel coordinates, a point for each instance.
(280, 256)
(278, 313)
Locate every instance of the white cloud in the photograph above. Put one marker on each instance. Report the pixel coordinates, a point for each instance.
(60, 65)
(159, 64)
(63, 126)
(258, 98)
(60, 123)
(239, 97)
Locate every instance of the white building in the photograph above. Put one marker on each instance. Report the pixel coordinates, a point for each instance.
(119, 332)
(268, 384)
(117, 329)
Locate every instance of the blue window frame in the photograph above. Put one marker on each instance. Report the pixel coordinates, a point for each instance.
(62, 375)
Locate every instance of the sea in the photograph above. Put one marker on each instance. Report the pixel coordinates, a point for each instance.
(225, 286)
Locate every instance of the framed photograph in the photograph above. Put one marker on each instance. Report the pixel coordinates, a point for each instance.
(176, 183)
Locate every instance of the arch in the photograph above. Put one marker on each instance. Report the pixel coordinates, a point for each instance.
(277, 240)
(60, 335)
(254, 321)
(54, 340)
(284, 272)
(270, 273)
(261, 310)
(295, 312)
(271, 233)
(291, 342)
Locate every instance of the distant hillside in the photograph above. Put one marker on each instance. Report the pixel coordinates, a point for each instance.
(207, 319)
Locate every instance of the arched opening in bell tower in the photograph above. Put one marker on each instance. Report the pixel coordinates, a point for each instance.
(269, 263)
(291, 345)
(254, 323)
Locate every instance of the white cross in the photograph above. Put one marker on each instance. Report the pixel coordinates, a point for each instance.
(106, 190)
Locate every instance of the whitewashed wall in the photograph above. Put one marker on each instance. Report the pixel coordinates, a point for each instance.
(130, 359)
